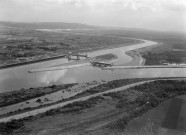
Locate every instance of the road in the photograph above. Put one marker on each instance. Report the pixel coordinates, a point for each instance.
(44, 109)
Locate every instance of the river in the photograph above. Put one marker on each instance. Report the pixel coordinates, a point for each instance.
(18, 77)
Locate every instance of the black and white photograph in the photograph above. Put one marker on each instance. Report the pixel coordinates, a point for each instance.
(92, 67)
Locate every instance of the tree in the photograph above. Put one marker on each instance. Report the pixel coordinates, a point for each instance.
(9, 127)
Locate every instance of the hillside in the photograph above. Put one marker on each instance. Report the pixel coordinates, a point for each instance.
(47, 25)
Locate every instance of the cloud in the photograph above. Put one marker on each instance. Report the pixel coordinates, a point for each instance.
(125, 13)
(135, 5)
(178, 6)
(96, 4)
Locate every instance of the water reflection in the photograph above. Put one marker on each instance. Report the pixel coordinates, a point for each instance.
(52, 77)
(18, 77)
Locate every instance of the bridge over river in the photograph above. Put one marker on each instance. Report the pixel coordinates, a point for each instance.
(18, 77)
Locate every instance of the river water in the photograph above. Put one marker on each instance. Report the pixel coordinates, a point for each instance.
(18, 77)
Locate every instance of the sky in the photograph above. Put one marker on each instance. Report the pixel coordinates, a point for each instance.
(165, 15)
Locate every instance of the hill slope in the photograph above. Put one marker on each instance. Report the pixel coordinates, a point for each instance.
(47, 25)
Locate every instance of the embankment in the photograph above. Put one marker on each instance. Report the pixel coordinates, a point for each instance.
(31, 62)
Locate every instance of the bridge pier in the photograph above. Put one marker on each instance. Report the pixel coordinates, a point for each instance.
(76, 55)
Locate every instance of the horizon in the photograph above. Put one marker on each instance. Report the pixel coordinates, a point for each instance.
(158, 15)
(107, 27)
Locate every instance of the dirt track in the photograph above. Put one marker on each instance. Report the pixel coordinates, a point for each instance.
(44, 109)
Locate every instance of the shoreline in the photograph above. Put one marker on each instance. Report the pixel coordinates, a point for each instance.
(137, 58)
(84, 98)
(107, 119)
(88, 91)
(31, 62)
(30, 93)
(134, 55)
(47, 99)
(136, 41)
(76, 97)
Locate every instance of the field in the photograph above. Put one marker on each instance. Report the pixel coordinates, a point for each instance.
(17, 96)
(164, 54)
(107, 114)
(171, 48)
(24, 95)
(104, 114)
(26, 44)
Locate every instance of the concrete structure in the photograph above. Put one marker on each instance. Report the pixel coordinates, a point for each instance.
(141, 67)
(77, 56)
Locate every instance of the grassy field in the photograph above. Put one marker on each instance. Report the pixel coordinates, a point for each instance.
(107, 114)
(26, 94)
(164, 54)
(171, 48)
(17, 96)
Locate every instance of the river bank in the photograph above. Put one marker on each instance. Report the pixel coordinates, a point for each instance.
(164, 54)
(31, 62)
(26, 100)
(106, 113)
(70, 93)
(137, 56)
(92, 99)
(18, 96)
(90, 50)
(106, 56)
(22, 97)
(137, 59)
(76, 91)
(20, 74)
